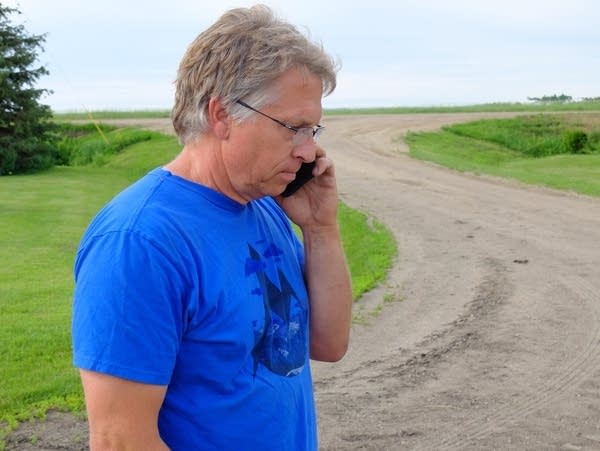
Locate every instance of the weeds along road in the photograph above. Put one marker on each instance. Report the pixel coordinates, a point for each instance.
(486, 335)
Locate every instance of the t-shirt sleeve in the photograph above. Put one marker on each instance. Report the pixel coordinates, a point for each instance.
(127, 309)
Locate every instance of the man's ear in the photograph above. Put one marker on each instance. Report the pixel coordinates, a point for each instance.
(218, 118)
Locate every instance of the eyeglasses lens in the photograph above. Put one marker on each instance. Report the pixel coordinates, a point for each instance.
(305, 134)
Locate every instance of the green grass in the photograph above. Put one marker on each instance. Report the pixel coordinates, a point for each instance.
(578, 173)
(370, 249)
(508, 148)
(42, 218)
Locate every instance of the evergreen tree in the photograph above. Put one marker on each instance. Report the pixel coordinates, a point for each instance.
(25, 124)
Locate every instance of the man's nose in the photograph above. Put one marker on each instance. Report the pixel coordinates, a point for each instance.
(306, 151)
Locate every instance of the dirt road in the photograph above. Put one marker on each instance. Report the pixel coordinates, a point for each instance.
(492, 338)
(494, 342)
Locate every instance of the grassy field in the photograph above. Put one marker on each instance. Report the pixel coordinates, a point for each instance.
(536, 149)
(41, 221)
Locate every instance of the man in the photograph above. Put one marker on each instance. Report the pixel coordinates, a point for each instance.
(196, 308)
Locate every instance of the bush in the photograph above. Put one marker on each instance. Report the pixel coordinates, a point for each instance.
(69, 139)
(95, 148)
(594, 141)
(574, 141)
(534, 136)
(8, 157)
(24, 155)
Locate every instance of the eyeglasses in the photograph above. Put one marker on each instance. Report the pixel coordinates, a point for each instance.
(301, 134)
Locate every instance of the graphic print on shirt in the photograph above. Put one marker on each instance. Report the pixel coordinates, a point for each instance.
(281, 345)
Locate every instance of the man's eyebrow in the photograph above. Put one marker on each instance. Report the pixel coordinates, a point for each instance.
(303, 123)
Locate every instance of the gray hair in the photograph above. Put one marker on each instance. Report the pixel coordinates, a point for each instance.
(239, 57)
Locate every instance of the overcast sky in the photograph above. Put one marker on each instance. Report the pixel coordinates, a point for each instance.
(124, 54)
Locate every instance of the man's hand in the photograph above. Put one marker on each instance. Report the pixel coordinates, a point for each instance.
(315, 203)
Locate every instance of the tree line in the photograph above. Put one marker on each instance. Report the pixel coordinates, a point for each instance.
(562, 98)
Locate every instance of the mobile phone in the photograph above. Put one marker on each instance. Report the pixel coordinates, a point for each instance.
(303, 175)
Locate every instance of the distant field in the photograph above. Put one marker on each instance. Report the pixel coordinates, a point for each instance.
(492, 107)
(94, 115)
(487, 107)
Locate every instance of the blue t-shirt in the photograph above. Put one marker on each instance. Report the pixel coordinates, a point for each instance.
(179, 285)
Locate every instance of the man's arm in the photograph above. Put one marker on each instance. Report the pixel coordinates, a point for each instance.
(314, 209)
(330, 292)
(122, 414)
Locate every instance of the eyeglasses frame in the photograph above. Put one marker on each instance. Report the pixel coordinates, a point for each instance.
(316, 130)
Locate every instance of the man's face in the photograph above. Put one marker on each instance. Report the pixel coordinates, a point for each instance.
(260, 156)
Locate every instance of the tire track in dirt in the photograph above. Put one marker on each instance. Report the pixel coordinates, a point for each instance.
(490, 294)
(585, 364)
(385, 377)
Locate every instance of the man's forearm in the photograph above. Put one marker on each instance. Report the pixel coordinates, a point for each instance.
(330, 293)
